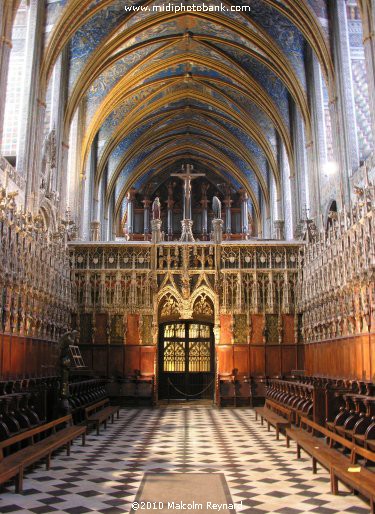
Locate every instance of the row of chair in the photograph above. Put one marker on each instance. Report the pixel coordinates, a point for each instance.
(337, 446)
(234, 390)
(303, 399)
(26, 403)
(84, 393)
(355, 420)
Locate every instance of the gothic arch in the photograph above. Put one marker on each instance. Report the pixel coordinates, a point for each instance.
(331, 208)
(169, 304)
(48, 213)
(203, 307)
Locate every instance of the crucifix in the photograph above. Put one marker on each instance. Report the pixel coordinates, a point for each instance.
(187, 176)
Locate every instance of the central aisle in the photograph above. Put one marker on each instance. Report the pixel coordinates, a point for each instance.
(105, 476)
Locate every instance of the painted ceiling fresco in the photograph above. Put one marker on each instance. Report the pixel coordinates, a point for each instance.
(163, 86)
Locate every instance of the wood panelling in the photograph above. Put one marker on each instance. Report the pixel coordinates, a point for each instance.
(132, 330)
(132, 359)
(273, 360)
(241, 359)
(148, 355)
(257, 360)
(101, 320)
(257, 322)
(6, 355)
(288, 329)
(226, 328)
(25, 356)
(225, 359)
(140, 358)
(100, 361)
(114, 360)
(260, 359)
(351, 357)
(88, 356)
(289, 359)
(17, 355)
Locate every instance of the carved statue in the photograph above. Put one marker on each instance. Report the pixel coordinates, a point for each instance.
(156, 209)
(125, 226)
(216, 207)
(66, 340)
(49, 165)
(250, 224)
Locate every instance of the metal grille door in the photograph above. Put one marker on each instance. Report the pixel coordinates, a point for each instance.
(186, 361)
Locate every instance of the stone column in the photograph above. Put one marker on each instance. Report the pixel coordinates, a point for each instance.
(316, 147)
(81, 201)
(368, 24)
(93, 200)
(75, 173)
(298, 180)
(111, 219)
(29, 152)
(8, 10)
(244, 213)
(279, 229)
(131, 199)
(204, 204)
(283, 200)
(63, 178)
(59, 97)
(228, 211)
(267, 217)
(85, 208)
(102, 193)
(146, 216)
(342, 108)
(95, 231)
(106, 227)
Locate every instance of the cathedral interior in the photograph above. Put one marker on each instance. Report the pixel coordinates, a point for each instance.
(187, 224)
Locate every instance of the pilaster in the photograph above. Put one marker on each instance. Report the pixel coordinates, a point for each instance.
(59, 98)
(30, 143)
(298, 180)
(8, 10)
(316, 147)
(342, 107)
(368, 24)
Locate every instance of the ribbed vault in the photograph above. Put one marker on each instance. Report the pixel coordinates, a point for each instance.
(215, 88)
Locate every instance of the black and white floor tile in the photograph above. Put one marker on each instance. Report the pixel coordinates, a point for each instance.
(104, 476)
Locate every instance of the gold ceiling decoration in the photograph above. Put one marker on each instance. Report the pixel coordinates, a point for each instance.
(223, 93)
(146, 141)
(76, 14)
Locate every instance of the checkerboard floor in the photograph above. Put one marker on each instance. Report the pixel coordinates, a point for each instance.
(105, 475)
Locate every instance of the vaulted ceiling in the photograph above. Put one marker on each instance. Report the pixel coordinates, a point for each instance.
(211, 87)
